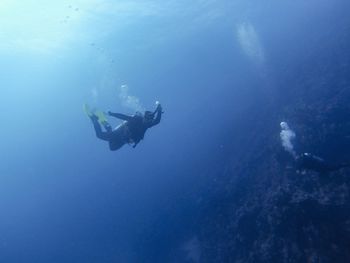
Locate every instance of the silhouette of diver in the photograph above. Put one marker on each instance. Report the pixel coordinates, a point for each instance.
(307, 161)
(131, 131)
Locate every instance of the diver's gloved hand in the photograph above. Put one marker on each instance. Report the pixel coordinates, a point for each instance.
(159, 107)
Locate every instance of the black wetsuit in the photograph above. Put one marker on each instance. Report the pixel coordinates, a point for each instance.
(307, 161)
(137, 125)
(132, 130)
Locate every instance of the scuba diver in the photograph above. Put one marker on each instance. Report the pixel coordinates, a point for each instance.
(307, 161)
(131, 131)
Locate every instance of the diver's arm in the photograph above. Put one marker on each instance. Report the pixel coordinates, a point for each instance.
(157, 119)
(120, 116)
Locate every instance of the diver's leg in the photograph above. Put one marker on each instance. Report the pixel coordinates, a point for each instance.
(107, 126)
(98, 130)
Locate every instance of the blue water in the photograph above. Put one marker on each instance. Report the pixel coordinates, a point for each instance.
(64, 197)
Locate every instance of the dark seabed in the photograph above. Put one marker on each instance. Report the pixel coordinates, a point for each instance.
(212, 182)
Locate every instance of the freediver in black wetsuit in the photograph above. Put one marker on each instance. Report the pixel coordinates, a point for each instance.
(131, 131)
(307, 161)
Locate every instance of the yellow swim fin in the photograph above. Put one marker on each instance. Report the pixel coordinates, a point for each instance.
(87, 110)
(101, 117)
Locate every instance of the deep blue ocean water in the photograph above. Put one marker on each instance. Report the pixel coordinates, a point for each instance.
(64, 197)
